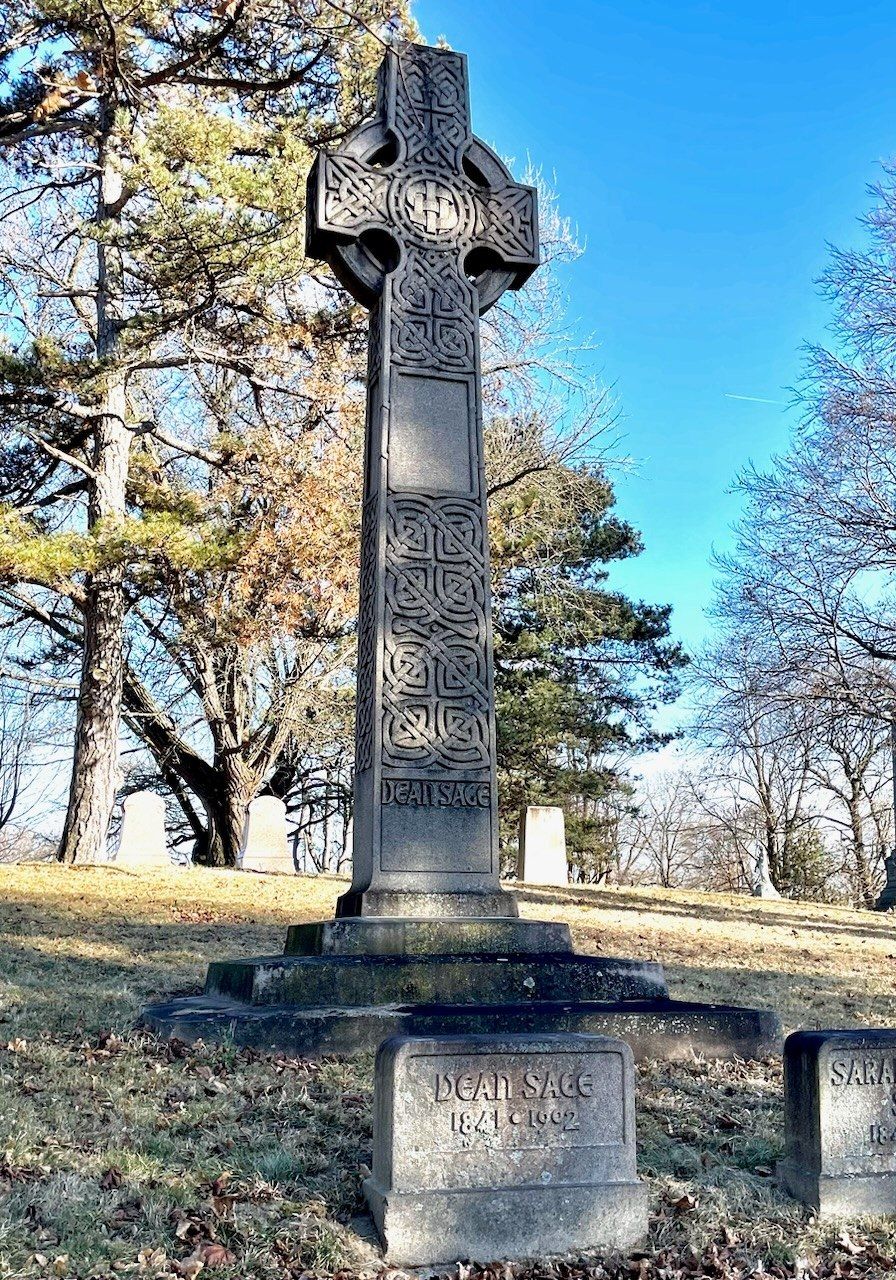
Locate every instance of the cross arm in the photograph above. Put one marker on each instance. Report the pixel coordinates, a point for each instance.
(507, 225)
(346, 198)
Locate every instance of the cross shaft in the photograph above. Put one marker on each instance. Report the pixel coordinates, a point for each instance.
(424, 225)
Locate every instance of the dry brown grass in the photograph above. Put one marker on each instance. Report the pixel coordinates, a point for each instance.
(120, 1155)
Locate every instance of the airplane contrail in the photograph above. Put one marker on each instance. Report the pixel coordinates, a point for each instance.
(729, 395)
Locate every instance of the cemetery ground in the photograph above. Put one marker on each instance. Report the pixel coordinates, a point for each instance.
(124, 1155)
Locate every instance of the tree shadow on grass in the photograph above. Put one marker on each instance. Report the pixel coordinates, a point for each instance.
(89, 981)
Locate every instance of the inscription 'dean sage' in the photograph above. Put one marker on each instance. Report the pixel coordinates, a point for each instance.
(552, 1092)
(851, 1072)
(443, 795)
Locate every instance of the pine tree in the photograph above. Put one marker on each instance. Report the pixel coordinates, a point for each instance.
(153, 277)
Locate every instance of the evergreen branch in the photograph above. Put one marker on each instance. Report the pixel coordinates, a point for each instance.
(202, 54)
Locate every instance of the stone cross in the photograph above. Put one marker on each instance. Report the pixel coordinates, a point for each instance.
(424, 225)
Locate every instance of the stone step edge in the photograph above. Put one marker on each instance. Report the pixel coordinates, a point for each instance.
(673, 1030)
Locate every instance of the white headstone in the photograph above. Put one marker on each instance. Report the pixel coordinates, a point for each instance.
(142, 839)
(542, 856)
(264, 846)
(762, 884)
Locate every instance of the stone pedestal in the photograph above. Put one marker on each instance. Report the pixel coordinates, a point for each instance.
(343, 986)
(491, 1147)
(264, 845)
(840, 1121)
(542, 852)
(142, 842)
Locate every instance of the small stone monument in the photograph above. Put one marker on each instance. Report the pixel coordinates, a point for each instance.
(542, 853)
(887, 899)
(264, 845)
(763, 886)
(504, 1147)
(141, 842)
(840, 1121)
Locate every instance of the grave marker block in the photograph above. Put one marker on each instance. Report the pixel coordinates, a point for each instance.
(142, 839)
(504, 1147)
(542, 856)
(264, 845)
(840, 1118)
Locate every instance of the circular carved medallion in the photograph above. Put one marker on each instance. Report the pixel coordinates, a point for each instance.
(431, 208)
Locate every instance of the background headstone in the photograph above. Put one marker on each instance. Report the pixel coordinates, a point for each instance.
(141, 842)
(840, 1121)
(264, 845)
(504, 1147)
(887, 899)
(542, 855)
(762, 881)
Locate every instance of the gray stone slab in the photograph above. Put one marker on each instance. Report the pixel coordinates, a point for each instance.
(363, 980)
(672, 1030)
(264, 843)
(840, 1121)
(542, 849)
(142, 842)
(491, 1147)
(371, 936)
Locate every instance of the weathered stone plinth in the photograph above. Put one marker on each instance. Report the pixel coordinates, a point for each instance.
(345, 986)
(504, 1147)
(384, 937)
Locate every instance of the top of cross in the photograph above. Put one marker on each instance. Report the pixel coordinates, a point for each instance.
(415, 174)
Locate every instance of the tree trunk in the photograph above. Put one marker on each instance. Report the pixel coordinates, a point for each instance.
(225, 808)
(864, 886)
(95, 763)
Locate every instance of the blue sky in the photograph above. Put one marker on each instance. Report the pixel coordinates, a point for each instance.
(707, 152)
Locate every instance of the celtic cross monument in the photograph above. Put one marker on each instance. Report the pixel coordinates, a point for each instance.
(424, 225)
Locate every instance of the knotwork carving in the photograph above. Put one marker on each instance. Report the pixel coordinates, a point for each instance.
(435, 675)
(433, 313)
(431, 107)
(366, 637)
(409, 204)
(354, 194)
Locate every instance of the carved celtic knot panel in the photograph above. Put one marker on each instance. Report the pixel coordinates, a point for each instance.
(431, 110)
(435, 675)
(433, 317)
(365, 691)
(354, 194)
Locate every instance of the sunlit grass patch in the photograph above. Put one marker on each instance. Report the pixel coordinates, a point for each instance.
(120, 1155)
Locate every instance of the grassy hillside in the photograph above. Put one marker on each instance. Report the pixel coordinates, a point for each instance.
(120, 1154)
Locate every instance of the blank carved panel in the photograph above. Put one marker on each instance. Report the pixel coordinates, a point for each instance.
(429, 439)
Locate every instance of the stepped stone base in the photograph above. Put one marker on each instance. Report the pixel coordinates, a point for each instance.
(344, 985)
(670, 1029)
(456, 936)
(358, 981)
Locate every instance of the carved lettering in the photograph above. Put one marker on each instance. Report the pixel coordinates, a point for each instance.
(442, 795)
(863, 1071)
